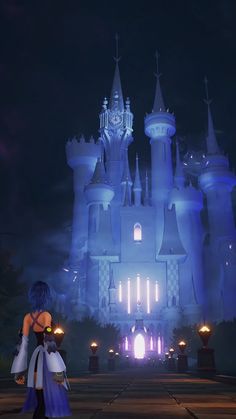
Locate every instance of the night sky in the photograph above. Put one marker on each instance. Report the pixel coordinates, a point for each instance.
(56, 66)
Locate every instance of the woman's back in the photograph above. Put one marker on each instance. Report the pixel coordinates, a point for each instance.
(38, 320)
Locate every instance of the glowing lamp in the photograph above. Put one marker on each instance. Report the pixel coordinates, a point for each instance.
(204, 333)
(171, 352)
(94, 347)
(58, 335)
(182, 345)
(111, 353)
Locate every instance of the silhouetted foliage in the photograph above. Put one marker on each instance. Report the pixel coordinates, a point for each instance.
(80, 334)
(13, 302)
(223, 341)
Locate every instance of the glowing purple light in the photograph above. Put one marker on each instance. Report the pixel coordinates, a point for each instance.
(159, 345)
(139, 347)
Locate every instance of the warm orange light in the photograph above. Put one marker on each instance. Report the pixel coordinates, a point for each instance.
(58, 331)
(94, 345)
(204, 329)
(204, 333)
(171, 350)
(182, 343)
(111, 351)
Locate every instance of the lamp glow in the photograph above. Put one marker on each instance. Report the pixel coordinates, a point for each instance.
(126, 344)
(58, 331)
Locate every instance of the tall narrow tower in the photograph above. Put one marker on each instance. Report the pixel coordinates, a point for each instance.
(116, 121)
(81, 157)
(217, 182)
(160, 127)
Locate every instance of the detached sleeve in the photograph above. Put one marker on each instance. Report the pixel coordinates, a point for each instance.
(20, 361)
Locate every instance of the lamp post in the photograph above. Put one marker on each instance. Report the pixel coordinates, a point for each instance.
(205, 355)
(182, 361)
(111, 360)
(93, 359)
(171, 360)
(59, 335)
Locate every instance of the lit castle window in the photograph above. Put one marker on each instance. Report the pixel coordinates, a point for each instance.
(137, 232)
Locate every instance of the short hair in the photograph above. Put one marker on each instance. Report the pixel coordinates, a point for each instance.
(40, 296)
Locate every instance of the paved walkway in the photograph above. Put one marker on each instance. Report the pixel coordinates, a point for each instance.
(135, 394)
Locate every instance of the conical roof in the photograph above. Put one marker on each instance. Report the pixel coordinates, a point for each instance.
(116, 99)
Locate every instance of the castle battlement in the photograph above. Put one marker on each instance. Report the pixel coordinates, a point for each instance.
(81, 152)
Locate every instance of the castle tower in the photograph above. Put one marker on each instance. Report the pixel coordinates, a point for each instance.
(126, 181)
(116, 121)
(188, 203)
(81, 157)
(172, 253)
(99, 194)
(217, 182)
(160, 127)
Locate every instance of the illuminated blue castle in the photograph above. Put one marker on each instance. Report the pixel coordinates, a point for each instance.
(141, 257)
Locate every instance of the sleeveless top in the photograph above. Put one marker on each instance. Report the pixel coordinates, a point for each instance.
(39, 335)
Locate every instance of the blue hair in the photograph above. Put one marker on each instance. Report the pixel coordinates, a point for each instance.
(40, 296)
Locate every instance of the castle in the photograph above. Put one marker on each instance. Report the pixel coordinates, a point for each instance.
(141, 256)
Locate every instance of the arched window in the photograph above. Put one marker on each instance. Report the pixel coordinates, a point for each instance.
(137, 232)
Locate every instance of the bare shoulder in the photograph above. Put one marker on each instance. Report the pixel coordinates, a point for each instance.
(27, 317)
(47, 315)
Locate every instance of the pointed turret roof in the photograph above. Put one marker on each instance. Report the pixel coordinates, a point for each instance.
(158, 101)
(212, 145)
(179, 173)
(99, 175)
(137, 183)
(126, 172)
(127, 201)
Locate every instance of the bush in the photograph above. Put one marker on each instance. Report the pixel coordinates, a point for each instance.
(223, 341)
(78, 337)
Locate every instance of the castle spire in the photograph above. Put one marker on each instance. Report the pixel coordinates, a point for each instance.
(126, 172)
(116, 99)
(137, 188)
(99, 175)
(212, 146)
(179, 173)
(127, 200)
(159, 105)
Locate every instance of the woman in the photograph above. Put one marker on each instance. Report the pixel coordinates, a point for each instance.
(46, 374)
